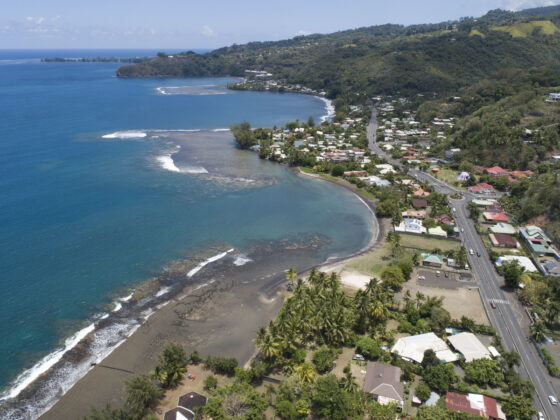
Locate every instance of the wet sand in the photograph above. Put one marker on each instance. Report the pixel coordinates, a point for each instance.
(219, 319)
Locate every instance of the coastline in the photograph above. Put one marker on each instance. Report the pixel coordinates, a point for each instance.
(267, 295)
(222, 317)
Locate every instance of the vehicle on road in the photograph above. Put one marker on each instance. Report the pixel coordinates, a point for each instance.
(493, 305)
(471, 251)
(478, 254)
(437, 273)
(552, 400)
(541, 415)
(446, 274)
(462, 230)
(454, 209)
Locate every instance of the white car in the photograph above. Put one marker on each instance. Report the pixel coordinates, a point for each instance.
(552, 400)
(541, 415)
(471, 251)
(454, 209)
(462, 230)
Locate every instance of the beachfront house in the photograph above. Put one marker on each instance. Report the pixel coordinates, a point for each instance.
(410, 225)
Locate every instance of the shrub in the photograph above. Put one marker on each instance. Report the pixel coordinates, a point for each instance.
(221, 365)
(286, 410)
(210, 382)
(368, 348)
(324, 359)
(422, 391)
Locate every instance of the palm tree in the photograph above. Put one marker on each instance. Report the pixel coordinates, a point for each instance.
(291, 274)
(407, 296)
(420, 297)
(538, 331)
(267, 344)
(377, 311)
(348, 382)
(306, 373)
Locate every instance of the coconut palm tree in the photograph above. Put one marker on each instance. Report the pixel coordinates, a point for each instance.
(420, 297)
(291, 274)
(269, 346)
(306, 373)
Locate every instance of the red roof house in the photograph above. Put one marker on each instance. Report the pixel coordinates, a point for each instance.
(480, 405)
(496, 171)
(495, 217)
(482, 188)
(419, 203)
(445, 219)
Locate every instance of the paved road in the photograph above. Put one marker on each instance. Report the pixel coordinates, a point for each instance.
(506, 317)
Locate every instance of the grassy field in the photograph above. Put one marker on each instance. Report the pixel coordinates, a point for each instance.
(524, 29)
(428, 243)
(450, 177)
(372, 263)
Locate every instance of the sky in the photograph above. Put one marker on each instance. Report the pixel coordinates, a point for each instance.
(206, 24)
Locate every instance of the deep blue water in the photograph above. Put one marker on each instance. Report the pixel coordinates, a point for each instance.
(83, 219)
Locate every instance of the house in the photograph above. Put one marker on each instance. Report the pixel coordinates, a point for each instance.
(503, 240)
(445, 219)
(555, 159)
(495, 217)
(416, 214)
(523, 262)
(463, 176)
(450, 153)
(553, 97)
(419, 192)
(410, 225)
(477, 404)
(432, 260)
(179, 413)
(538, 241)
(383, 383)
(437, 231)
(191, 401)
(503, 228)
(551, 268)
(419, 203)
(412, 348)
(497, 171)
(469, 346)
(484, 203)
(482, 188)
(355, 173)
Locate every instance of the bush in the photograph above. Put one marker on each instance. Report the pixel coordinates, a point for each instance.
(195, 358)
(221, 365)
(368, 348)
(286, 410)
(210, 382)
(484, 372)
(337, 170)
(324, 359)
(422, 391)
(172, 365)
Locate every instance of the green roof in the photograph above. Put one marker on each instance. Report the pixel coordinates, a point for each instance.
(432, 258)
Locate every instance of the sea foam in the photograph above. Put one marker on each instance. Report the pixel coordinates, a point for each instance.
(23, 380)
(241, 260)
(208, 261)
(166, 162)
(329, 107)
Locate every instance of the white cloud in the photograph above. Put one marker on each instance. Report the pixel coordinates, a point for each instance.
(207, 31)
(40, 20)
(526, 4)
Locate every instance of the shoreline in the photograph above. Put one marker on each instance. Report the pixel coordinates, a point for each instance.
(269, 289)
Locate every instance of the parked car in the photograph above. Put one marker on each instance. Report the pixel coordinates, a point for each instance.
(553, 400)
(358, 357)
(493, 305)
(446, 274)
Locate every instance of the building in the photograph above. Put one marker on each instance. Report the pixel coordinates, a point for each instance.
(445, 219)
(538, 241)
(495, 217)
(482, 188)
(383, 383)
(419, 203)
(484, 203)
(551, 268)
(419, 192)
(503, 228)
(555, 159)
(416, 214)
(523, 262)
(178, 413)
(553, 97)
(463, 176)
(412, 348)
(481, 405)
(469, 346)
(450, 153)
(410, 225)
(497, 171)
(437, 231)
(503, 240)
(191, 401)
(432, 260)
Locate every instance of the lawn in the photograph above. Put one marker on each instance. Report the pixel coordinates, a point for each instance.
(422, 242)
(449, 177)
(372, 263)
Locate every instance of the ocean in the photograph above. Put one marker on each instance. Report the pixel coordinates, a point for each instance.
(106, 181)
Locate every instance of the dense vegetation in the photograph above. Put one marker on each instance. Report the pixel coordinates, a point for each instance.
(378, 59)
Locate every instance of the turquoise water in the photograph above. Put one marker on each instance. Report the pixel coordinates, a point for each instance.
(83, 219)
